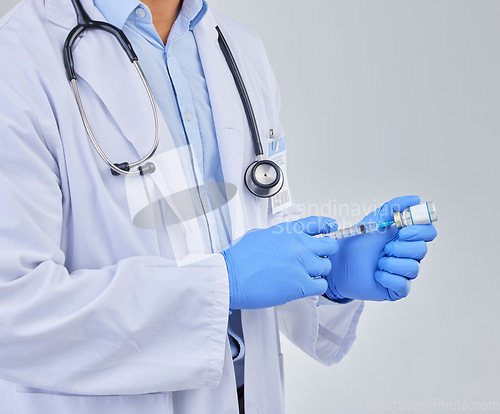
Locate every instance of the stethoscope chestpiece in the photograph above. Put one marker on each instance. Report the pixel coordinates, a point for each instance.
(264, 178)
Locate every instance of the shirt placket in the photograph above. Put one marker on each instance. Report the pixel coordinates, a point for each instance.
(192, 131)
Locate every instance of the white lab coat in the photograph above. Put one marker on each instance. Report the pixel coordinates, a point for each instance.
(93, 318)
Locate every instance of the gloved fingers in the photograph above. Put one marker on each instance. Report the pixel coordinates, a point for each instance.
(425, 232)
(407, 268)
(315, 287)
(315, 265)
(402, 203)
(315, 225)
(320, 246)
(409, 250)
(386, 212)
(398, 287)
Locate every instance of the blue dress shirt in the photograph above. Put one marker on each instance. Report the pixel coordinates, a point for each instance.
(176, 76)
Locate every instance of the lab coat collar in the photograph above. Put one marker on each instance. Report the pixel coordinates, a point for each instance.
(62, 13)
(195, 11)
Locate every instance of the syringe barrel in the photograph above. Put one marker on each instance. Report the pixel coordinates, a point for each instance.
(354, 231)
(420, 214)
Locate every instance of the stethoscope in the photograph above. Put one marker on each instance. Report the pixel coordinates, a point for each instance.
(263, 177)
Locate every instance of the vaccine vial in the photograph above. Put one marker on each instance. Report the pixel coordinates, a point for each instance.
(424, 213)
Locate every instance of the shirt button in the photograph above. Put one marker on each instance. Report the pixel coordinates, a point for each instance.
(188, 116)
(140, 12)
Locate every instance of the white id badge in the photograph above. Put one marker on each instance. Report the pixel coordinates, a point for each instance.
(277, 154)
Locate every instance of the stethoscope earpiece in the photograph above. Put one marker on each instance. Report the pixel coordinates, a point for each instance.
(264, 178)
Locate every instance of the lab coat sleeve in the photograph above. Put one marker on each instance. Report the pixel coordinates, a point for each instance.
(142, 325)
(325, 332)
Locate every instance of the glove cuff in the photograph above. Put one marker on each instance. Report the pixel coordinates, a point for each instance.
(231, 273)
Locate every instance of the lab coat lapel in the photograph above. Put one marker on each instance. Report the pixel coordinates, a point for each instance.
(229, 118)
(226, 104)
(62, 13)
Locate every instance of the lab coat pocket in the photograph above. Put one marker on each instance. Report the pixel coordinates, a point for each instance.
(36, 401)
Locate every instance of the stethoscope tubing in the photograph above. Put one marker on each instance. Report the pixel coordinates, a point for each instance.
(78, 31)
(84, 24)
(96, 145)
(242, 90)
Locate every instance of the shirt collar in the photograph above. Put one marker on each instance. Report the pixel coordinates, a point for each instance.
(193, 10)
(117, 12)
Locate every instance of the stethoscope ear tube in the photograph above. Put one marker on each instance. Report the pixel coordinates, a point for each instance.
(69, 63)
(240, 85)
(263, 178)
(86, 23)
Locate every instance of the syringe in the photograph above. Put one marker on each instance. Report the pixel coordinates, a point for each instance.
(420, 214)
(359, 229)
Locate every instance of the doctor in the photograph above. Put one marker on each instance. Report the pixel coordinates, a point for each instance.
(150, 294)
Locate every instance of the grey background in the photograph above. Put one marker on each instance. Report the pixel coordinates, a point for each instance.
(384, 98)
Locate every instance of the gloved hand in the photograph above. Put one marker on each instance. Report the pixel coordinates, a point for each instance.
(380, 265)
(276, 265)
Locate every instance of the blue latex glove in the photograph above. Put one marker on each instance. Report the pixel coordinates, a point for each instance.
(380, 266)
(276, 265)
